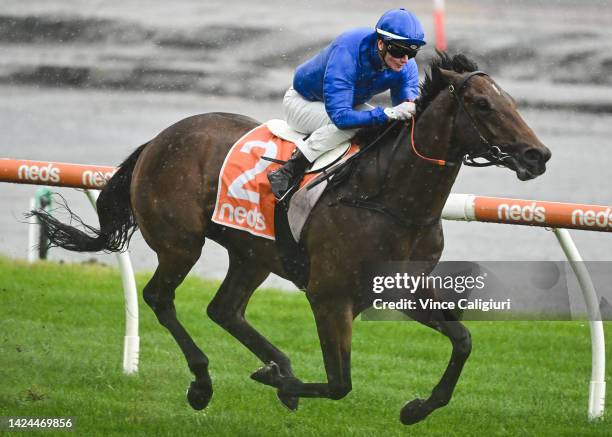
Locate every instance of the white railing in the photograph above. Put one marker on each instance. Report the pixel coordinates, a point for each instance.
(469, 207)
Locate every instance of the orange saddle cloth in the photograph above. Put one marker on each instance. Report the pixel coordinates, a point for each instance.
(244, 197)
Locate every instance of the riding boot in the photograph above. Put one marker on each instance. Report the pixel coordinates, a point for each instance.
(283, 178)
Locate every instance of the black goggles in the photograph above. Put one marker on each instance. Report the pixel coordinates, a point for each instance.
(399, 50)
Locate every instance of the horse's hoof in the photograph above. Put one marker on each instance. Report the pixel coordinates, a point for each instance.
(198, 396)
(268, 374)
(291, 402)
(413, 412)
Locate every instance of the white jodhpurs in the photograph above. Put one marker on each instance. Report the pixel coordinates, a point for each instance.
(311, 118)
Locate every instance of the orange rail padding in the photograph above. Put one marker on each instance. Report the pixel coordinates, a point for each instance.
(22, 171)
(458, 207)
(540, 213)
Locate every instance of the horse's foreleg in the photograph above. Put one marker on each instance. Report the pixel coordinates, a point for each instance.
(227, 310)
(334, 320)
(159, 295)
(418, 409)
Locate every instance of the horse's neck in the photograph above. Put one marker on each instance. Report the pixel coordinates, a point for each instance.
(419, 188)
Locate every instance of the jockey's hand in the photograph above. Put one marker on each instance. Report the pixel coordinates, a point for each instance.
(403, 111)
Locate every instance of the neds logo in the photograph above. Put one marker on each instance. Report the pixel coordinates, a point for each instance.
(601, 219)
(96, 178)
(253, 218)
(47, 173)
(528, 213)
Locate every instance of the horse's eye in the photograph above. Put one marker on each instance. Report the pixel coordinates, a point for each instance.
(483, 104)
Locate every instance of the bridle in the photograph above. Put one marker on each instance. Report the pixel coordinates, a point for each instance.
(492, 153)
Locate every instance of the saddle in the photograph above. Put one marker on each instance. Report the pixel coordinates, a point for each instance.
(294, 208)
(305, 195)
(281, 129)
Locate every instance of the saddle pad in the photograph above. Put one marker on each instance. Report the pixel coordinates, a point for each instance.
(244, 197)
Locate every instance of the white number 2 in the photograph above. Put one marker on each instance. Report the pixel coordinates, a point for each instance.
(236, 188)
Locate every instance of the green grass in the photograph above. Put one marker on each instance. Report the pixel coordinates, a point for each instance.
(61, 335)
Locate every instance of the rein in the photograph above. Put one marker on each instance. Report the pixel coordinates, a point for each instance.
(492, 153)
(367, 203)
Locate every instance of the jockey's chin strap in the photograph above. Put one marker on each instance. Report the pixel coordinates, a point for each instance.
(493, 154)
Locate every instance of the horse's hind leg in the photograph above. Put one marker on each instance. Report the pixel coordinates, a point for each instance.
(227, 310)
(418, 409)
(159, 295)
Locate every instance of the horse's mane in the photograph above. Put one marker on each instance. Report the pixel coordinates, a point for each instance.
(434, 82)
(430, 87)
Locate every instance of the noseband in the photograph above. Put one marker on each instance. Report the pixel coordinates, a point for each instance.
(493, 154)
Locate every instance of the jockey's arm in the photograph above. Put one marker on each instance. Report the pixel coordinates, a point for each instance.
(407, 89)
(338, 91)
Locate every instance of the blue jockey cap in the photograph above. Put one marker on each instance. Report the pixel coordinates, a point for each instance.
(401, 26)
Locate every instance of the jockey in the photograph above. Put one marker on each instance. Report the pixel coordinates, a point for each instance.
(329, 93)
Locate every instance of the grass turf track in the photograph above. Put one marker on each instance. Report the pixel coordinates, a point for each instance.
(61, 336)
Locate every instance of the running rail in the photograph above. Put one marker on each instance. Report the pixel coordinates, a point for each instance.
(465, 207)
(88, 177)
(58, 174)
(558, 216)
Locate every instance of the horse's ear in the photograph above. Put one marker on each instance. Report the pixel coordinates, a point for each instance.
(449, 76)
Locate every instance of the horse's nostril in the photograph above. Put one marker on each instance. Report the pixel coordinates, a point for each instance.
(533, 155)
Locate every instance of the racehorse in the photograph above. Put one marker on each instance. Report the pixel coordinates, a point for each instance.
(388, 209)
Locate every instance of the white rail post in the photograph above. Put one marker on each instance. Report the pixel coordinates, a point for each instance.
(462, 207)
(597, 387)
(131, 342)
(33, 230)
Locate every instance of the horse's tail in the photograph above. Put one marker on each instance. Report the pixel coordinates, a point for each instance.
(117, 221)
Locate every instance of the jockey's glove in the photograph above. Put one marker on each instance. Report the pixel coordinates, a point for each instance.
(403, 111)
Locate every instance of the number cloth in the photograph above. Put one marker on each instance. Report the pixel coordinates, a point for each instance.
(244, 198)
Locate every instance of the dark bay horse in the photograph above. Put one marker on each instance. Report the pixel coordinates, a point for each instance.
(167, 188)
